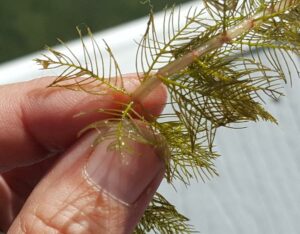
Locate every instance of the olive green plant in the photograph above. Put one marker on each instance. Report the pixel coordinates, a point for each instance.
(212, 67)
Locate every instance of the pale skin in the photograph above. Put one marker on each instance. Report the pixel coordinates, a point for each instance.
(42, 185)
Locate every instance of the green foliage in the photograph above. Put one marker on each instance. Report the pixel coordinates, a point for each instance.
(215, 78)
(87, 75)
(162, 218)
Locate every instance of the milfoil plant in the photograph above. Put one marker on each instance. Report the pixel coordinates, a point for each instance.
(213, 70)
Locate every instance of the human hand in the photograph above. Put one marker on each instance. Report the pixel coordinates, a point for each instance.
(52, 182)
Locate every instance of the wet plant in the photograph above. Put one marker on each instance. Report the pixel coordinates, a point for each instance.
(213, 70)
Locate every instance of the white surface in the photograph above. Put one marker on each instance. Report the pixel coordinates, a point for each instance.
(258, 191)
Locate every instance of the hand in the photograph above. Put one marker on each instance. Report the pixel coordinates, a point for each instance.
(52, 182)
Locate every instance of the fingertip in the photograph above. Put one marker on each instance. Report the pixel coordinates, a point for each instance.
(108, 196)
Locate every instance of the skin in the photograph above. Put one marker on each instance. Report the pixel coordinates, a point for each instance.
(42, 185)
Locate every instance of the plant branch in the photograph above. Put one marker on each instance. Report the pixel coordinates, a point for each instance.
(214, 43)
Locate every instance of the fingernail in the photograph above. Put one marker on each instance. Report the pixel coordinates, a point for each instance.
(123, 177)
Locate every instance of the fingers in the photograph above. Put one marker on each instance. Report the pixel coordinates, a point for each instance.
(37, 122)
(92, 190)
(6, 215)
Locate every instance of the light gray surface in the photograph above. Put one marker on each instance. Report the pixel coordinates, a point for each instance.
(258, 187)
(258, 190)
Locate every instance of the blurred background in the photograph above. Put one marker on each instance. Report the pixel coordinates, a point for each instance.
(26, 26)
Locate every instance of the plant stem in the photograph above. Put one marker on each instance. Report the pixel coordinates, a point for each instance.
(218, 41)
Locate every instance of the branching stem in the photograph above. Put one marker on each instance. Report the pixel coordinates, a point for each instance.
(214, 43)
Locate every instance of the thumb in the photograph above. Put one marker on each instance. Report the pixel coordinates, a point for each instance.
(92, 190)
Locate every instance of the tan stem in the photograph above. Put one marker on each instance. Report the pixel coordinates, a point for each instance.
(218, 41)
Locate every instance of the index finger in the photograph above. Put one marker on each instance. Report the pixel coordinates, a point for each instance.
(36, 122)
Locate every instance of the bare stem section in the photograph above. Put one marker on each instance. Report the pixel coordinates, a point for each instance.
(214, 43)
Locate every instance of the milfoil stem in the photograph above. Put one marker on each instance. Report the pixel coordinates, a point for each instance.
(218, 41)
